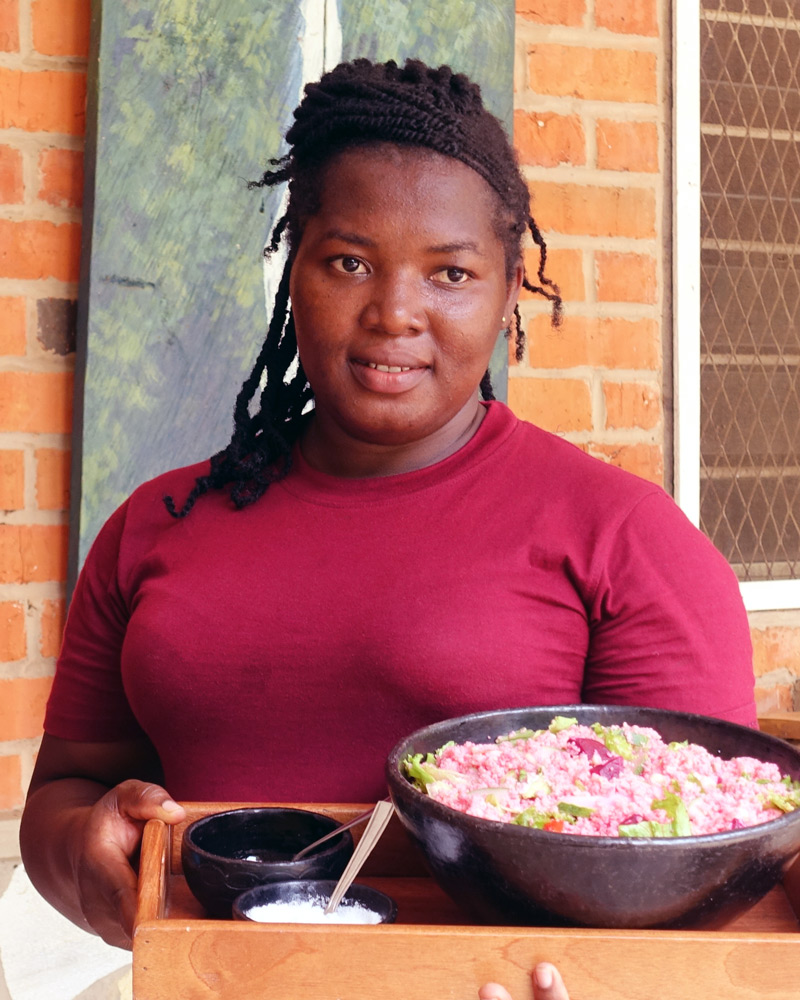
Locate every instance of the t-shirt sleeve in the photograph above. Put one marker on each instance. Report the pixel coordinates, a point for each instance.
(87, 702)
(668, 628)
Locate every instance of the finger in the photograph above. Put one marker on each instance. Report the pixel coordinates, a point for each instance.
(108, 896)
(142, 800)
(493, 991)
(548, 984)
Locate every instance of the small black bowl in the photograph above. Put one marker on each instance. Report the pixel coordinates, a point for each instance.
(314, 892)
(227, 852)
(501, 873)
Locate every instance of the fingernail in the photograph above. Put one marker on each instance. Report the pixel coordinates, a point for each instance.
(544, 977)
(168, 805)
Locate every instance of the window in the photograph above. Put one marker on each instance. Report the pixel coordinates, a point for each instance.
(737, 287)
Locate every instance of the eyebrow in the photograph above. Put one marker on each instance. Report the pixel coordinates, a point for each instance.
(338, 234)
(468, 245)
(441, 248)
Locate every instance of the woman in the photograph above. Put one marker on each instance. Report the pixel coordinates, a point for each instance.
(401, 551)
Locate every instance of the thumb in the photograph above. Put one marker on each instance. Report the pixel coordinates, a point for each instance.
(493, 991)
(142, 800)
(548, 984)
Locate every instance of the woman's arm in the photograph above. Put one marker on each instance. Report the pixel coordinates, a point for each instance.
(82, 826)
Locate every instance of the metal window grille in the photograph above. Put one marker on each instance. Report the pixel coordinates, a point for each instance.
(750, 284)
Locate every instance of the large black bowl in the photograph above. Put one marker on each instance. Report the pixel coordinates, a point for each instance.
(227, 852)
(506, 874)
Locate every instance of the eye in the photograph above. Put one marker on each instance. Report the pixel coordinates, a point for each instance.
(452, 276)
(349, 265)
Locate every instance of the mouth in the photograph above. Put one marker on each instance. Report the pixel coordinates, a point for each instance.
(390, 368)
(382, 378)
(387, 368)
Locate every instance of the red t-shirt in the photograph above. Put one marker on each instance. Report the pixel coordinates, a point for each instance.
(279, 652)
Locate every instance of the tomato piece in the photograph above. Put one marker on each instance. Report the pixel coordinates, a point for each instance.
(554, 825)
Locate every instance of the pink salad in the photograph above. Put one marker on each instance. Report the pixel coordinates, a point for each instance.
(604, 781)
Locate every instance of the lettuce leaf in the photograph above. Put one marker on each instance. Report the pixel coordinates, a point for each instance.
(674, 807)
(561, 722)
(647, 828)
(572, 809)
(424, 772)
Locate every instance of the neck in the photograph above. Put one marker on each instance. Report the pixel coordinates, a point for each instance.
(330, 449)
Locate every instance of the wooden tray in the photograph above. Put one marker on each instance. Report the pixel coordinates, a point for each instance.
(431, 953)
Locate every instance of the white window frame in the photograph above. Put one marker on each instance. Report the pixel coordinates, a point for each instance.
(767, 595)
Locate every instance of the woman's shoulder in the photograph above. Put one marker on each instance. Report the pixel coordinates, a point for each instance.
(569, 468)
(174, 482)
(143, 514)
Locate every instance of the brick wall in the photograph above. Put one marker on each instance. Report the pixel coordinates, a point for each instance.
(43, 47)
(591, 124)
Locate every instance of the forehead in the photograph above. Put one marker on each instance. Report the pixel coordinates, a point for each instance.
(415, 186)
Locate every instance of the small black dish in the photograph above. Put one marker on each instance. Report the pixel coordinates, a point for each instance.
(318, 892)
(227, 852)
(501, 873)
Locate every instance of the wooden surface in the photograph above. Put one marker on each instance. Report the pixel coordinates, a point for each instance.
(783, 724)
(188, 100)
(430, 954)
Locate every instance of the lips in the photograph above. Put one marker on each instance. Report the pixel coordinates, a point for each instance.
(389, 376)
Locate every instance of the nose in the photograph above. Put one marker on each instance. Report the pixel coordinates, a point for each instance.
(394, 305)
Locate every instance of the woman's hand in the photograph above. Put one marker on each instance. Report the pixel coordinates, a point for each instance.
(82, 827)
(104, 867)
(547, 985)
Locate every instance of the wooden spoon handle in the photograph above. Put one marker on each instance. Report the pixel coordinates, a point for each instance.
(370, 837)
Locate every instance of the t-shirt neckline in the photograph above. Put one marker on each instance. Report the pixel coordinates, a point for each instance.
(308, 483)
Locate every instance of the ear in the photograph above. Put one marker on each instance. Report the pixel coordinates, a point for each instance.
(514, 287)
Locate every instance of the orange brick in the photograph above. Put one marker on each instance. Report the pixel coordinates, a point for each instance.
(776, 648)
(32, 249)
(591, 210)
(593, 74)
(632, 404)
(43, 100)
(11, 795)
(558, 404)
(630, 17)
(36, 402)
(32, 553)
(777, 697)
(564, 267)
(12, 328)
(544, 139)
(12, 631)
(52, 626)
(9, 29)
(12, 480)
(597, 343)
(645, 460)
(569, 12)
(627, 146)
(61, 174)
(12, 189)
(626, 277)
(22, 703)
(52, 479)
(61, 27)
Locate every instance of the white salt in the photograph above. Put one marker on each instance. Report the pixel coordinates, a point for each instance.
(305, 911)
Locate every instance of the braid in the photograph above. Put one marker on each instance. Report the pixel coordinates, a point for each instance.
(357, 104)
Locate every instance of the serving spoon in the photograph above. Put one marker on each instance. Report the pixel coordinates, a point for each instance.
(335, 833)
(381, 815)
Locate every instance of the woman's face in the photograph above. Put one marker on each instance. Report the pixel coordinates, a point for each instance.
(399, 290)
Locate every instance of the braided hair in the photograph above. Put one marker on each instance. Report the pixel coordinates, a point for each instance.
(360, 103)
